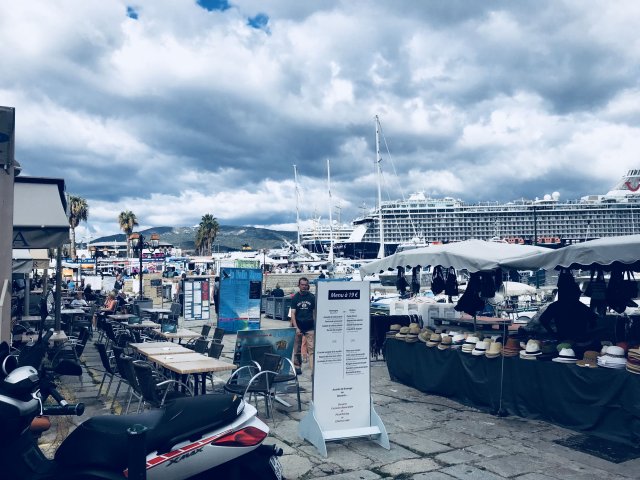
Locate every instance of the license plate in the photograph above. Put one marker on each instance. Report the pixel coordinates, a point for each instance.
(276, 467)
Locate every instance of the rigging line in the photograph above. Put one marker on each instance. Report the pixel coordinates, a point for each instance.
(393, 166)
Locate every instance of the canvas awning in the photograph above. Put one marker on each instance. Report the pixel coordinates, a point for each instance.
(39, 213)
(474, 255)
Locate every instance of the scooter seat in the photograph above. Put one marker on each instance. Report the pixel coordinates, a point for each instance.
(101, 441)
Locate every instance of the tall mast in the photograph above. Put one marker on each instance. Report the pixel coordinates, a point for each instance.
(330, 214)
(295, 177)
(379, 165)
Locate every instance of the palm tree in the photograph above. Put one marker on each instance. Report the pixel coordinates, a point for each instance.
(207, 232)
(199, 241)
(127, 221)
(78, 212)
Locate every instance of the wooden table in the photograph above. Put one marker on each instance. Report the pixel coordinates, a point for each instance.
(179, 334)
(30, 319)
(164, 359)
(159, 348)
(56, 337)
(144, 324)
(198, 367)
(119, 317)
(156, 312)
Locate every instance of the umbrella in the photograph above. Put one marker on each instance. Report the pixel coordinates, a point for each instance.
(624, 250)
(514, 289)
(473, 255)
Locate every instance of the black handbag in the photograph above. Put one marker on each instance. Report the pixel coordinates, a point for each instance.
(437, 280)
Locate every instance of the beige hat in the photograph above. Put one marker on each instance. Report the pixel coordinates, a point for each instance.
(445, 343)
(495, 350)
(434, 340)
(480, 348)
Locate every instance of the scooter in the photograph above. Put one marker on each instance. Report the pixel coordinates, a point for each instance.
(207, 436)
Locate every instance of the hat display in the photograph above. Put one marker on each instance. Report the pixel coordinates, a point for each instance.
(434, 340)
(481, 348)
(590, 359)
(566, 355)
(531, 351)
(425, 335)
(445, 344)
(469, 344)
(393, 329)
(401, 335)
(511, 348)
(614, 357)
(411, 338)
(495, 350)
(414, 329)
(457, 340)
(633, 360)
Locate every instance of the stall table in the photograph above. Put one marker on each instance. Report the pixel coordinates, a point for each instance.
(599, 401)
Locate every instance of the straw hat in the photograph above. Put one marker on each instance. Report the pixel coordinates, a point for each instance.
(414, 329)
(457, 340)
(566, 355)
(425, 335)
(445, 344)
(633, 361)
(613, 358)
(411, 338)
(590, 359)
(393, 329)
(402, 333)
(434, 340)
(531, 351)
(469, 344)
(480, 348)
(495, 350)
(511, 348)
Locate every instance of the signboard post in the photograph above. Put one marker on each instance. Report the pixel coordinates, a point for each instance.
(240, 297)
(197, 304)
(341, 404)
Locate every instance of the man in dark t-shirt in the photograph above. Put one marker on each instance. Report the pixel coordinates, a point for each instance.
(303, 319)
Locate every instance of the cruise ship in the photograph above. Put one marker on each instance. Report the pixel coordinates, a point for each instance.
(551, 221)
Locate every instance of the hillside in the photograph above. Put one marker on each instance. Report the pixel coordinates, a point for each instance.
(229, 237)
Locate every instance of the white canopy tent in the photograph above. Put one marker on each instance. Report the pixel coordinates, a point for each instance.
(623, 250)
(473, 255)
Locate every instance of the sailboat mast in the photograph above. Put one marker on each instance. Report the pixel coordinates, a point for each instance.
(295, 177)
(330, 213)
(379, 176)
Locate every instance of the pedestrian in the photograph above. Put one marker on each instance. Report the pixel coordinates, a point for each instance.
(303, 319)
(277, 292)
(216, 295)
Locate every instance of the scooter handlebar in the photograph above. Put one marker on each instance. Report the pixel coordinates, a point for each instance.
(76, 409)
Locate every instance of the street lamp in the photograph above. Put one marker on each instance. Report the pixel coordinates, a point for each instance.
(138, 244)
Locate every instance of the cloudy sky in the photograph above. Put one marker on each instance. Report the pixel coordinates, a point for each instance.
(177, 108)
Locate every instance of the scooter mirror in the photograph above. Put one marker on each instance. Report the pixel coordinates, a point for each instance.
(9, 364)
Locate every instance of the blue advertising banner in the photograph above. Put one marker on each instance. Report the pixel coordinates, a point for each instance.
(272, 340)
(240, 296)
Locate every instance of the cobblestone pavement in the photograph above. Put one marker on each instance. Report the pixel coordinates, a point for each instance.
(432, 438)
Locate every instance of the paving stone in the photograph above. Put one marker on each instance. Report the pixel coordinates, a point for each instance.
(410, 466)
(467, 472)
(451, 438)
(432, 476)
(357, 475)
(457, 456)
(515, 465)
(486, 450)
(420, 444)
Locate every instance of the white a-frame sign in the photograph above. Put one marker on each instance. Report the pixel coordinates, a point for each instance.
(341, 404)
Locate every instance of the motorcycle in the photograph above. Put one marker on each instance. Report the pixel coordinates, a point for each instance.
(206, 436)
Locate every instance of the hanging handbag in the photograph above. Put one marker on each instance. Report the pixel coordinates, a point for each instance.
(597, 287)
(437, 280)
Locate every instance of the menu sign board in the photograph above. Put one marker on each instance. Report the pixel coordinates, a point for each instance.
(341, 389)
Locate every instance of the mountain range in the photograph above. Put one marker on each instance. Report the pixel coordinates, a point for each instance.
(229, 237)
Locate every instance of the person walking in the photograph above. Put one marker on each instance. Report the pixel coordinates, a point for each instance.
(303, 319)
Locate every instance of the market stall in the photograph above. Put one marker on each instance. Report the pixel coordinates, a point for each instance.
(587, 397)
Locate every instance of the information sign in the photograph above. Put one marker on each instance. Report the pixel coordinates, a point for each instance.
(240, 297)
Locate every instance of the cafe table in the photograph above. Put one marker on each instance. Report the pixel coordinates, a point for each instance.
(57, 337)
(72, 313)
(179, 334)
(197, 368)
(156, 313)
(120, 317)
(144, 324)
(159, 348)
